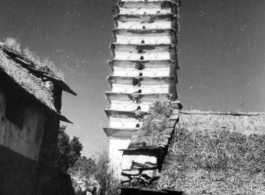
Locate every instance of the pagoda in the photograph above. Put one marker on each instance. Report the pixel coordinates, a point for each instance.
(144, 66)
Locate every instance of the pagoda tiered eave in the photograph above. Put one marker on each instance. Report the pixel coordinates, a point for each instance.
(140, 80)
(141, 64)
(149, 97)
(147, 1)
(147, 5)
(145, 52)
(142, 48)
(125, 133)
(144, 32)
(124, 114)
(151, 18)
(143, 36)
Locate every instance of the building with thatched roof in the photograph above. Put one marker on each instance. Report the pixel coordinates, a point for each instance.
(209, 153)
(30, 104)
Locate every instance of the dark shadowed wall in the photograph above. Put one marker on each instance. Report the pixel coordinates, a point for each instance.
(28, 138)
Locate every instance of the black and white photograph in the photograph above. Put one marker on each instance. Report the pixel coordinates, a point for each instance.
(132, 97)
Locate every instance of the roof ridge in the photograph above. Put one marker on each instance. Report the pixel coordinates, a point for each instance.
(234, 113)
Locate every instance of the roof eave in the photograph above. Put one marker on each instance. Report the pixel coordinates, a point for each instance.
(62, 84)
(64, 119)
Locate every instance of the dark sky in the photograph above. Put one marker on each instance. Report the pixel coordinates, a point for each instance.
(222, 55)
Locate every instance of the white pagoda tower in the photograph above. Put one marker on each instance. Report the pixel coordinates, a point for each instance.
(144, 66)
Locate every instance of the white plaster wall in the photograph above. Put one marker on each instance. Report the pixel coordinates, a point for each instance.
(157, 11)
(149, 72)
(145, 88)
(142, 56)
(129, 105)
(138, 25)
(115, 155)
(122, 123)
(150, 65)
(147, 40)
(133, 49)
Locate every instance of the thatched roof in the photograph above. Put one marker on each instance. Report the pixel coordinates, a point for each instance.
(245, 123)
(30, 83)
(157, 127)
(217, 153)
(29, 77)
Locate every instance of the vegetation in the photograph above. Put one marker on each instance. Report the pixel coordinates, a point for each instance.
(151, 133)
(215, 162)
(97, 172)
(68, 151)
(84, 167)
(106, 175)
(94, 172)
(44, 65)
